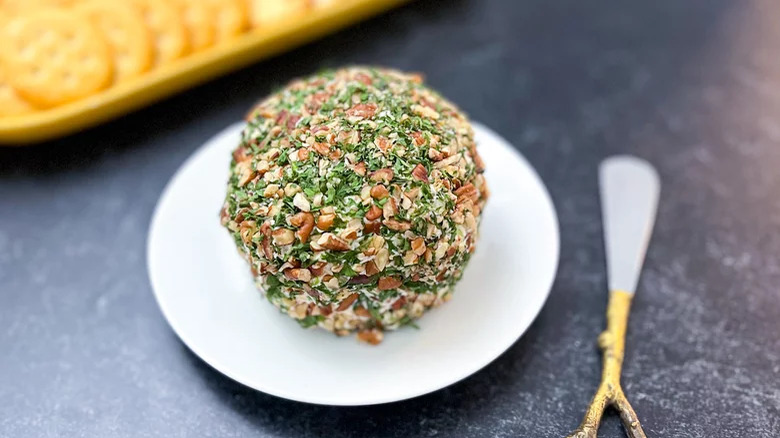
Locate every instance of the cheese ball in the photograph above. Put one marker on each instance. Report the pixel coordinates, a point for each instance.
(355, 195)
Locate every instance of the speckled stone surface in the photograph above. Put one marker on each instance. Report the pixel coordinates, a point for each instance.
(693, 86)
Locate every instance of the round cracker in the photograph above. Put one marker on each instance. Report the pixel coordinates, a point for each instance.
(124, 30)
(169, 36)
(231, 17)
(32, 5)
(11, 103)
(53, 56)
(265, 12)
(199, 23)
(321, 3)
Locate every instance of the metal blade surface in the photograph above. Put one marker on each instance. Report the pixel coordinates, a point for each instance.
(629, 190)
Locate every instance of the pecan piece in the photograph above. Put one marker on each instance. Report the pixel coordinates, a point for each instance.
(383, 143)
(466, 192)
(371, 268)
(292, 121)
(364, 78)
(390, 208)
(381, 259)
(371, 336)
(372, 227)
(388, 283)
(283, 237)
(360, 279)
(305, 223)
(373, 213)
(332, 242)
(451, 251)
(363, 110)
(425, 111)
(298, 274)
(241, 154)
(245, 172)
(289, 119)
(362, 311)
(435, 155)
(379, 192)
(399, 303)
(262, 167)
(240, 215)
(246, 231)
(325, 221)
(419, 138)
(420, 173)
(266, 230)
(321, 148)
(382, 175)
(418, 246)
(397, 225)
(318, 268)
(347, 302)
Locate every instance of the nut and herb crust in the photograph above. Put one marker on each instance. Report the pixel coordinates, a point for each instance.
(355, 195)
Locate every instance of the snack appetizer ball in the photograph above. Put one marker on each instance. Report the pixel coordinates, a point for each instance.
(355, 196)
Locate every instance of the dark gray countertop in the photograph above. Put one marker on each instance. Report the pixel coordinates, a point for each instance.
(693, 86)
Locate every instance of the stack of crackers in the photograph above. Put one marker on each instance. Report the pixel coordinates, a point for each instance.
(53, 52)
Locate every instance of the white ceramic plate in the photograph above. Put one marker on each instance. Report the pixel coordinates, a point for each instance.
(206, 292)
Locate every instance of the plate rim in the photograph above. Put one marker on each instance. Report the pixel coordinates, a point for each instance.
(216, 364)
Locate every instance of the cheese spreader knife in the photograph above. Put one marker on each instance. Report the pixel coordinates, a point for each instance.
(629, 190)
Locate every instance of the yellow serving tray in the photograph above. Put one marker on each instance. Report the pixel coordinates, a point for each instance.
(186, 72)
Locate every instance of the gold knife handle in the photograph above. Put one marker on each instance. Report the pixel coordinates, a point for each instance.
(612, 343)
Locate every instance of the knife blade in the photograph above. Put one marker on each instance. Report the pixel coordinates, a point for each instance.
(629, 189)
